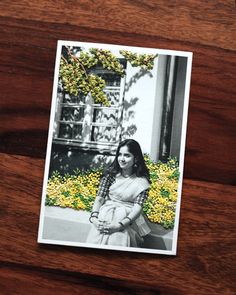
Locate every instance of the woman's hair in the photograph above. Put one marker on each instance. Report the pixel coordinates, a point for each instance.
(139, 168)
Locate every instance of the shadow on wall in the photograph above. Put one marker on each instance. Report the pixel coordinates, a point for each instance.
(136, 77)
(129, 113)
(129, 105)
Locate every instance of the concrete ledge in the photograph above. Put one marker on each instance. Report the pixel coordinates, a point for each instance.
(66, 224)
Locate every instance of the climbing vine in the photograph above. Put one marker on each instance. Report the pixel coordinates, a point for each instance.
(145, 61)
(77, 76)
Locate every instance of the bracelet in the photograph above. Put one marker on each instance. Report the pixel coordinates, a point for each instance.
(94, 213)
(123, 227)
(90, 218)
(130, 220)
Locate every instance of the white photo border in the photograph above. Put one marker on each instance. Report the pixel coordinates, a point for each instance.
(145, 50)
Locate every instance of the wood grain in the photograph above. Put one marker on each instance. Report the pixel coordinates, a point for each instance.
(205, 263)
(15, 279)
(198, 21)
(205, 250)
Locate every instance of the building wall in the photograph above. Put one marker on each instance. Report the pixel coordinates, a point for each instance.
(139, 104)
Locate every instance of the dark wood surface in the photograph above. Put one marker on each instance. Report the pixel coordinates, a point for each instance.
(205, 262)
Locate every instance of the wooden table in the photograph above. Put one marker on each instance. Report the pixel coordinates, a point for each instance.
(205, 262)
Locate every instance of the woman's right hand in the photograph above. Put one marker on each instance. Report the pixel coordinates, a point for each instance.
(97, 223)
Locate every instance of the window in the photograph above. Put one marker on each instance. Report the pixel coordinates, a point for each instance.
(81, 122)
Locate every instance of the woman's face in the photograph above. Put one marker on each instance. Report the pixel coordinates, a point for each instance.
(125, 158)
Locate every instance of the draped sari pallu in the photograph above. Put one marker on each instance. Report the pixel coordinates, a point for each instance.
(122, 197)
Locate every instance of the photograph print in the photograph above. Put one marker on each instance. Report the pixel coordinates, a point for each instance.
(115, 154)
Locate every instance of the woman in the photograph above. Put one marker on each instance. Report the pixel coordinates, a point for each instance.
(117, 211)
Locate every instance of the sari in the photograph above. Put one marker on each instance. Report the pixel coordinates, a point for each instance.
(123, 194)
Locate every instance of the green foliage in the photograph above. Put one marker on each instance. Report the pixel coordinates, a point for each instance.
(108, 60)
(50, 201)
(77, 77)
(145, 61)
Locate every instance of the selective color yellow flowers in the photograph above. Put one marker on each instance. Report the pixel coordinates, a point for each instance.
(78, 191)
(74, 191)
(161, 202)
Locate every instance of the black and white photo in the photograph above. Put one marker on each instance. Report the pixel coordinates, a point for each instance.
(116, 143)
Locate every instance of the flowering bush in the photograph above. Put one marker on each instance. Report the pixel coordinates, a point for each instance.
(78, 191)
(161, 202)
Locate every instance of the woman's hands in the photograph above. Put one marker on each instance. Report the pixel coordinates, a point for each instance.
(111, 228)
(106, 228)
(96, 222)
